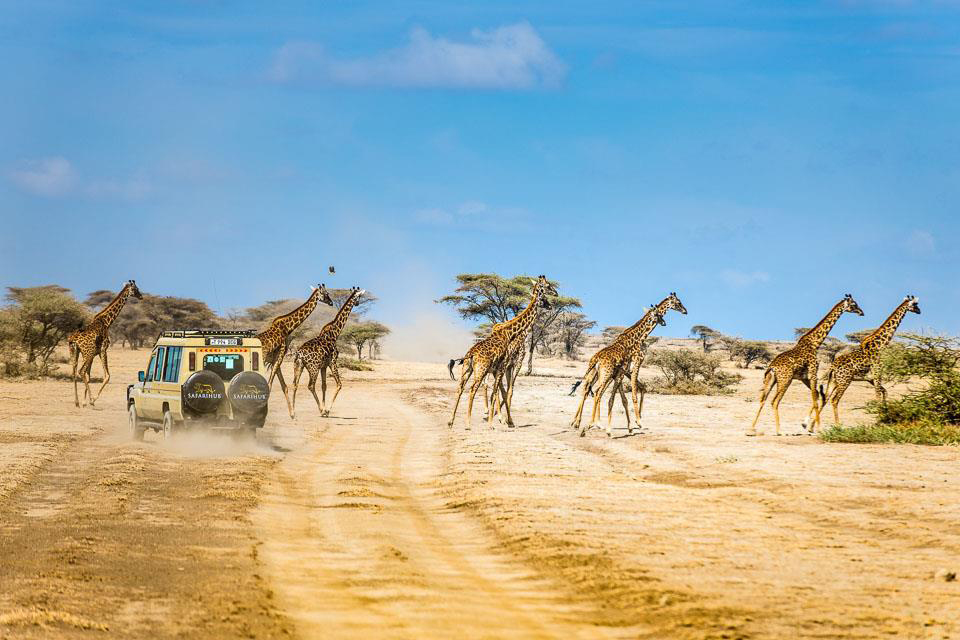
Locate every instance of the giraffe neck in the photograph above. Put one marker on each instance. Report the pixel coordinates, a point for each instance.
(883, 334)
(519, 324)
(289, 322)
(640, 331)
(112, 310)
(333, 328)
(819, 333)
(641, 325)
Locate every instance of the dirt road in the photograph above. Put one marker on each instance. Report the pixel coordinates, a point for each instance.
(383, 522)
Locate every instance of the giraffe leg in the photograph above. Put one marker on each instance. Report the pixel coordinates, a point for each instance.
(106, 372)
(605, 378)
(277, 363)
(465, 374)
(283, 387)
(479, 377)
(85, 373)
(769, 378)
(810, 423)
(312, 385)
(588, 380)
(505, 405)
(75, 352)
(335, 372)
(775, 403)
(635, 387)
(323, 390)
(840, 387)
(297, 372)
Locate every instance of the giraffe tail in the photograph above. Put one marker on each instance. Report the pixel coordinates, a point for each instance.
(450, 364)
(824, 386)
(576, 385)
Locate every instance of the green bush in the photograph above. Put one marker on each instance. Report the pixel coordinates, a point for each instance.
(918, 432)
(938, 403)
(353, 364)
(688, 372)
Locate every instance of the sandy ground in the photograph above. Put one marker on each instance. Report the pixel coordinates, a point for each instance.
(383, 522)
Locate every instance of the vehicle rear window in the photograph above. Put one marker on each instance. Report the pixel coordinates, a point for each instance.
(224, 365)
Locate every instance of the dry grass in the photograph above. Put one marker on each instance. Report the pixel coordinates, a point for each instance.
(44, 618)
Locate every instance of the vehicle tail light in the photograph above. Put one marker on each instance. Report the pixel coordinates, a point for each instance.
(193, 361)
(256, 361)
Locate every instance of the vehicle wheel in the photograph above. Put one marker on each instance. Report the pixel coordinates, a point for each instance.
(169, 426)
(136, 429)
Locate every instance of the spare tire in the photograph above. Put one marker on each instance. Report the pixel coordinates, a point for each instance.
(203, 392)
(249, 393)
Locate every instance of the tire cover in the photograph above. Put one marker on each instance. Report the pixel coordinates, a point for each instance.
(203, 391)
(248, 392)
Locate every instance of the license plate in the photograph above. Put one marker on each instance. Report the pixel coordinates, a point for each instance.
(223, 342)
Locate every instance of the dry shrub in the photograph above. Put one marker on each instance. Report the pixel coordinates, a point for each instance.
(688, 372)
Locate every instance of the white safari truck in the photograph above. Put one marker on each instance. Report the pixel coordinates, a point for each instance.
(200, 378)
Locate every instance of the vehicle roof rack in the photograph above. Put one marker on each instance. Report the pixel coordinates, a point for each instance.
(186, 333)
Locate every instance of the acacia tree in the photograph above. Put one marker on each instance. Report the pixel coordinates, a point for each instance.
(360, 333)
(494, 299)
(568, 332)
(707, 336)
(35, 322)
(748, 351)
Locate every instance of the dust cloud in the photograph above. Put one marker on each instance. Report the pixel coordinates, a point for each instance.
(429, 336)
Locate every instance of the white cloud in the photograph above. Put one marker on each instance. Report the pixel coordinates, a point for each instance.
(507, 57)
(433, 216)
(48, 177)
(474, 214)
(739, 279)
(56, 177)
(921, 243)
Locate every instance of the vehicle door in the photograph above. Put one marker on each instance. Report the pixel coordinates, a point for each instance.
(152, 398)
(166, 381)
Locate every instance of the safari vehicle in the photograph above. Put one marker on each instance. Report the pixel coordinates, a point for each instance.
(200, 378)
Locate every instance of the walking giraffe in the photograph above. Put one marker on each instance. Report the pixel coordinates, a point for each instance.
(94, 339)
(800, 363)
(608, 364)
(276, 338)
(848, 365)
(637, 355)
(513, 361)
(319, 353)
(486, 356)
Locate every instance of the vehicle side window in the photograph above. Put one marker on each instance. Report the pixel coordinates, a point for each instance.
(171, 371)
(153, 362)
(158, 368)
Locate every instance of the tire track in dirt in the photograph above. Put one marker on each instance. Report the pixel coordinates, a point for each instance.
(132, 539)
(360, 543)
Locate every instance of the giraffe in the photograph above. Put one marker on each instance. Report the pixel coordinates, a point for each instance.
(94, 339)
(800, 363)
(513, 360)
(275, 339)
(320, 352)
(637, 354)
(605, 365)
(848, 365)
(486, 356)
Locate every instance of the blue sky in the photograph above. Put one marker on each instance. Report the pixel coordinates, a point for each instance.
(761, 159)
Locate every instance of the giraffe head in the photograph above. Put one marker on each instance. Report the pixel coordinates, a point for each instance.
(850, 305)
(134, 291)
(544, 286)
(913, 306)
(673, 302)
(324, 295)
(657, 316)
